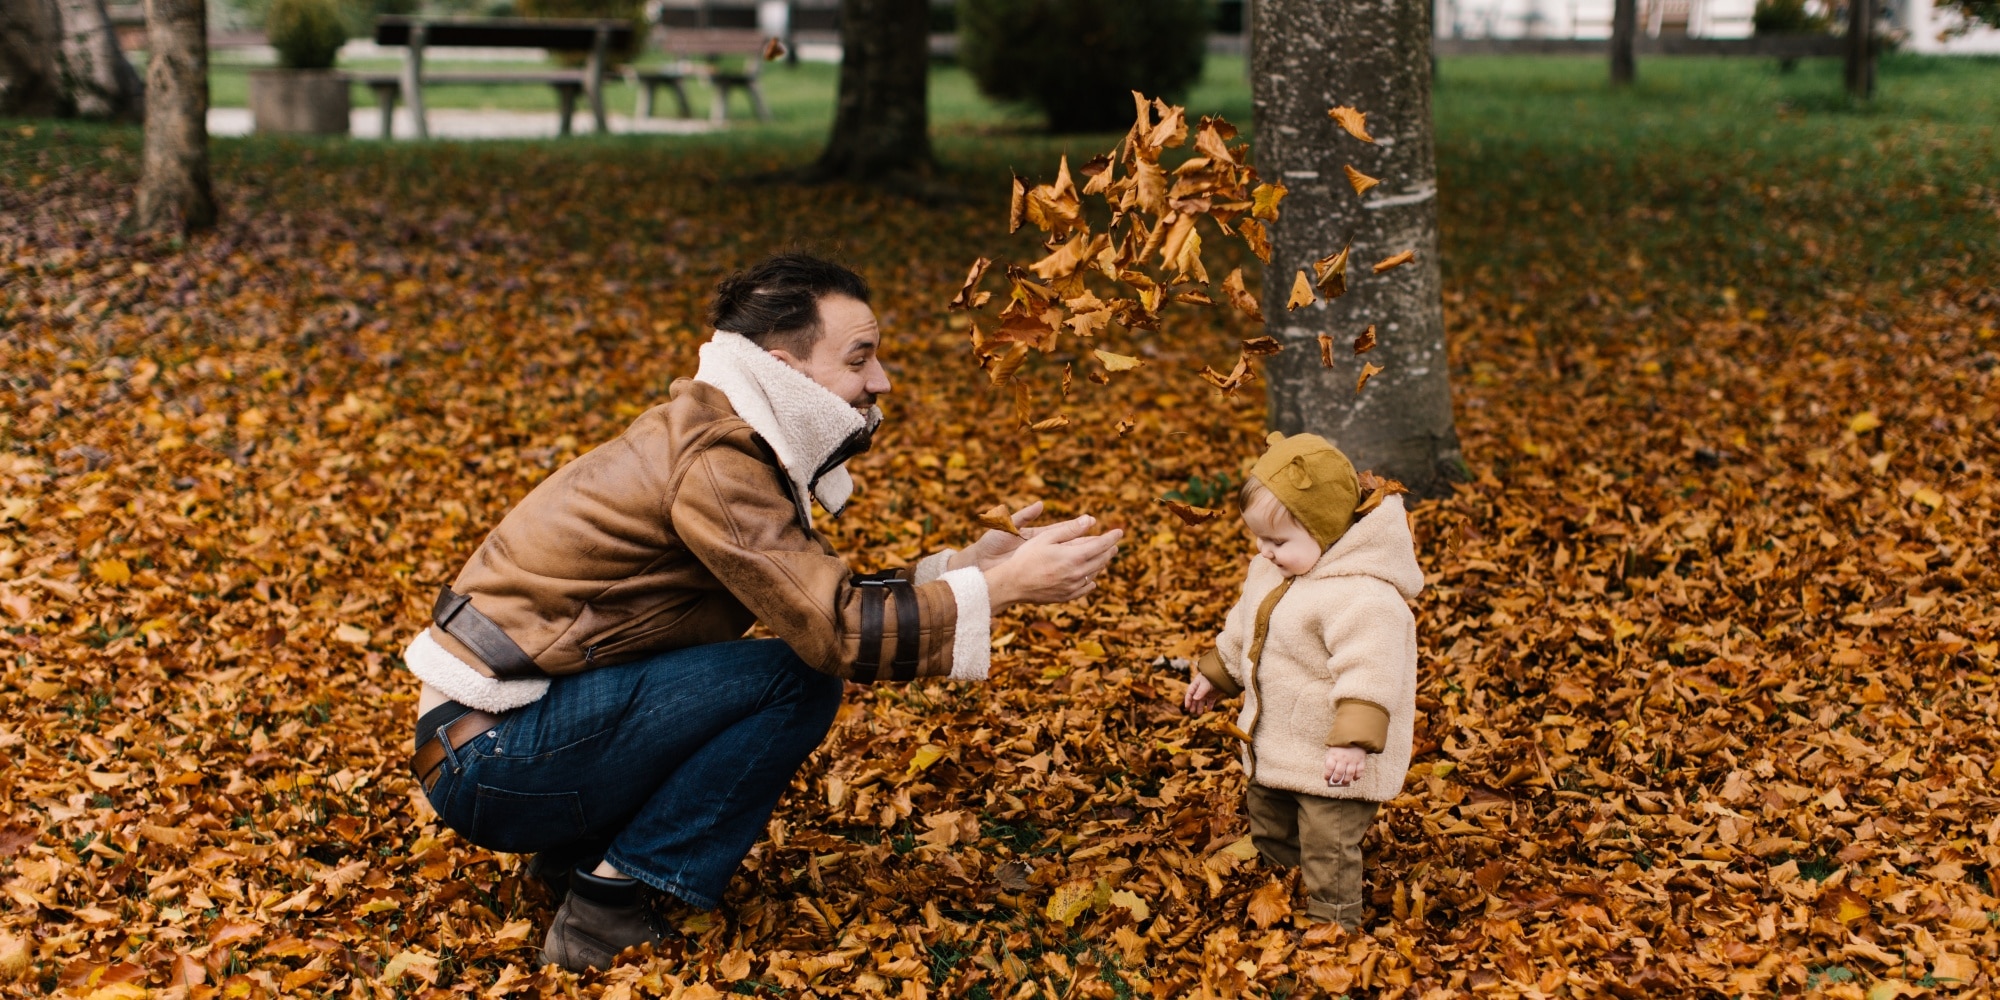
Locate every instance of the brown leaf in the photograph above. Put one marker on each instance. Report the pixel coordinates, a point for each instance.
(1375, 489)
(1398, 260)
(966, 299)
(1050, 423)
(1188, 513)
(1355, 122)
(1118, 362)
(1255, 238)
(1330, 272)
(1240, 296)
(1360, 181)
(774, 50)
(1261, 347)
(1366, 342)
(1368, 371)
(1325, 351)
(998, 517)
(1269, 905)
(1017, 204)
(1265, 199)
(1302, 292)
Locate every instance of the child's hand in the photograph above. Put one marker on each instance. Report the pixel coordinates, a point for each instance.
(1343, 764)
(1201, 695)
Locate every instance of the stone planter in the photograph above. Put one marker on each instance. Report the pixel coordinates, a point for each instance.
(309, 101)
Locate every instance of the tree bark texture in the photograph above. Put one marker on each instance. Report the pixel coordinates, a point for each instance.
(1374, 55)
(1624, 42)
(31, 84)
(98, 77)
(881, 121)
(174, 191)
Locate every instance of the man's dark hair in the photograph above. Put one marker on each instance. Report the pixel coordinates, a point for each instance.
(775, 302)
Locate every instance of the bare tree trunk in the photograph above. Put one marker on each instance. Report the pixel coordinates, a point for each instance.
(31, 83)
(1374, 55)
(1624, 42)
(173, 181)
(101, 80)
(881, 124)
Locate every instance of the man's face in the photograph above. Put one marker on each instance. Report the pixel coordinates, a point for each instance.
(844, 359)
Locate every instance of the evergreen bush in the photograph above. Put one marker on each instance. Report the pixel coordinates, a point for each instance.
(308, 34)
(1078, 61)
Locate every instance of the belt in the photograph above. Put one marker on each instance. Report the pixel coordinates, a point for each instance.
(427, 764)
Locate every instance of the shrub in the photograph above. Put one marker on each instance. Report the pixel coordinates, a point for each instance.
(1786, 17)
(1079, 60)
(308, 34)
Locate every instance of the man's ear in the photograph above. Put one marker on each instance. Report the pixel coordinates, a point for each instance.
(787, 357)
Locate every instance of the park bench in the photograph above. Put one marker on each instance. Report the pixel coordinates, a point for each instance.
(597, 38)
(720, 45)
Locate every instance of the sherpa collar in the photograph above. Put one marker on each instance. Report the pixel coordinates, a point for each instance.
(804, 422)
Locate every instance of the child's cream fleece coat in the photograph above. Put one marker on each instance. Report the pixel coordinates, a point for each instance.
(1342, 632)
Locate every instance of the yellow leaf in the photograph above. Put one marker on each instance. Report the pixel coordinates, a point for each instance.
(1360, 181)
(353, 635)
(1118, 362)
(112, 571)
(413, 962)
(1131, 902)
(1864, 422)
(926, 755)
(1264, 201)
(1302, 292)
(1355, 122)
(735, 965)
(1241, 850)
(1330, 273)
(1070, 900)
(1928, 497)
(1950, 968)
(1850, 909)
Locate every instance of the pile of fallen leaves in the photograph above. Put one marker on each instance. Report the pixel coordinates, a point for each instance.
(1709, 646)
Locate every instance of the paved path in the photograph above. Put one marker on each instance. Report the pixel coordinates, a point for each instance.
(467, 123)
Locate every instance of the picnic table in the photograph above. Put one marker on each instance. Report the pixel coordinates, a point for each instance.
(706, 54)
(598, 38)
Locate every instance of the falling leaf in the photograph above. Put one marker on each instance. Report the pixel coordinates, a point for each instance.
(1325, 351)
(1050, 423)
(1265, 200)
(1396, 261)
(1302, 292)
(1330, 272)
(1269, 904)
(1375, 489)
(999, 518)
(1017, 204)
(1366, 342)
(774, 50)
(966, 297)
(1117, 362)
(1355, 122)
(1240, 297)
(1125, 425)
(1261, 347)
(1361, 182)
(1189, 513)
(1368, 371)
(1255, 238)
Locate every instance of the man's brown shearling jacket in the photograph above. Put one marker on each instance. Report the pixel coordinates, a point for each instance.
(680, 532)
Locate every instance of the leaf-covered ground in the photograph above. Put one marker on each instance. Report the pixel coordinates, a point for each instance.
(1708, 698)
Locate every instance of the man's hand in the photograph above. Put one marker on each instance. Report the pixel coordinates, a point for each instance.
(1201, 695)
(1060, 563)
(1343, 765)
(996, 545)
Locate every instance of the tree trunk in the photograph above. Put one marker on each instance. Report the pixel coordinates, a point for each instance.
(173, 180)
(100, 80)
(881, 123)
(1374, 55)
(30, 78)
(1624, 42)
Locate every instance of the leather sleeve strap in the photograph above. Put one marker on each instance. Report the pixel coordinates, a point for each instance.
(455, 614)
(867, 663)
(909, 632)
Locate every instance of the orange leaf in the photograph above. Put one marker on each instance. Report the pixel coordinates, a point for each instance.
(1264, 200)
(1189, 513)
(966, 298)
(1261, 347)
(1361, 182)
(1330, 272)
(1368, 371)
(1325, 351)
(1302, 292)
(1255, 238)
(1269, 904)
(1398, 260)
(1240, 296)
(1355, 122)
(774, 50)
(1366, 342)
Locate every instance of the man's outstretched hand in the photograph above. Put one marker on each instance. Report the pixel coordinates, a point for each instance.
(997, 545)
(1057, 563)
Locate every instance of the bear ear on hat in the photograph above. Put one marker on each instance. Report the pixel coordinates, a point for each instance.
(1274, 437)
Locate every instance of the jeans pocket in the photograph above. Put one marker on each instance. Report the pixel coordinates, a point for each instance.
(525, 822)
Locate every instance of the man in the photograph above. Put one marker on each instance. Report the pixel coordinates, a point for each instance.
(588, 694)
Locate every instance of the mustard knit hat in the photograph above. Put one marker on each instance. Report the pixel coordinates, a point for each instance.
(1314, 481)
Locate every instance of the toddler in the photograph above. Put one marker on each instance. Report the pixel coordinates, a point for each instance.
(1323, 648)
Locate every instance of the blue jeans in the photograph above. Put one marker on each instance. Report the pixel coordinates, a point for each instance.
(666, 767)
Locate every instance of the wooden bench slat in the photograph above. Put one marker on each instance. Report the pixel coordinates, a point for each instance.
(558, 34)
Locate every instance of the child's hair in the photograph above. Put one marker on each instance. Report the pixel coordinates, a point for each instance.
(1256, 496)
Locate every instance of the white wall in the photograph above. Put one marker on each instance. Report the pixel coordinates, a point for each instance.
(1924, 23)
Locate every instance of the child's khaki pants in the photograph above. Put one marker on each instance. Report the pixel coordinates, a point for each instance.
(1322, 838)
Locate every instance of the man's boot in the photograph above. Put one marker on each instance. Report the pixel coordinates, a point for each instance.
(600, 918)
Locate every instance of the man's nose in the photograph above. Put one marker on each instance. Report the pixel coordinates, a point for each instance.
(878, 379)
